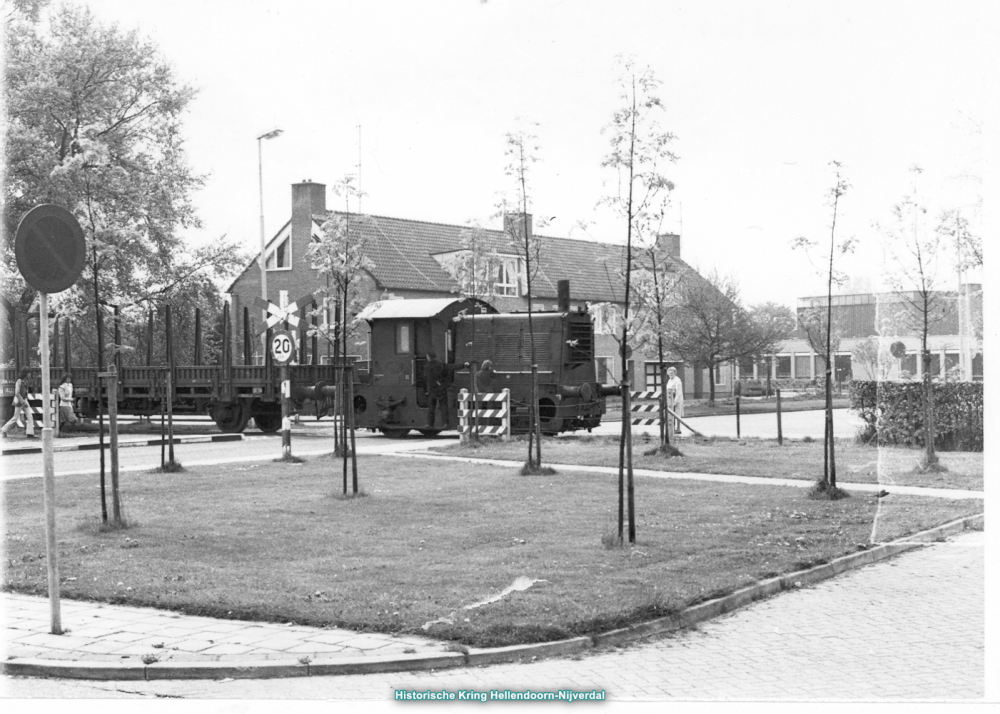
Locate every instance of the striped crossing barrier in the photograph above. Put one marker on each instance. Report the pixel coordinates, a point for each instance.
(35, 404)
(656, 394)
(491, 408)
(646, 408)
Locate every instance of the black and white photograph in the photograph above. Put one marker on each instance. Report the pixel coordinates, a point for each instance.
(473, 352)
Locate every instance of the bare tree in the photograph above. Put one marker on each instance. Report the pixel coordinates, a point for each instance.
(915, 253)
(522, 152)
(655, 286)
(474, 270)
(339, 256)
(839, 188)
(640, 152)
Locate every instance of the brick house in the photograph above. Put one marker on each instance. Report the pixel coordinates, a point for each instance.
(411, 259)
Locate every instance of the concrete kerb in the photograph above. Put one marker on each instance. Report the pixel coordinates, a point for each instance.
(90, 446)
(514, 653)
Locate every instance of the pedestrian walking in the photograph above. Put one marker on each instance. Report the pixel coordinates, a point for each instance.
(22, 410)
(67, 415)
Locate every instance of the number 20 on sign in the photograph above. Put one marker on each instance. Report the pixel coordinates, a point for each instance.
(282, 347)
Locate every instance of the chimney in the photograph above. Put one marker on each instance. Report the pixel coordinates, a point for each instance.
(308, 199)
(562, 288)
(512, 224)
(670, 243)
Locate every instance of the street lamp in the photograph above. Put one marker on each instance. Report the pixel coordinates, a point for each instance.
(263, 242)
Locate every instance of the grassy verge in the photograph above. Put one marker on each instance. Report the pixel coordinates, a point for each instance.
(272, 542)
(749, 457)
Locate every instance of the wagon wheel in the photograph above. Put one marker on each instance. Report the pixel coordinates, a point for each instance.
(268, 422)
(231, 418)
(430, 432)
(394, 432)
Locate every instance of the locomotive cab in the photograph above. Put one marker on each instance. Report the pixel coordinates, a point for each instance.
(392, 397)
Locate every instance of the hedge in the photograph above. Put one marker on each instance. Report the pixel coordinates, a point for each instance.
(893, 413)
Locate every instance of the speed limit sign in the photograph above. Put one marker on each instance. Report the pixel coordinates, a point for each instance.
(282, 347)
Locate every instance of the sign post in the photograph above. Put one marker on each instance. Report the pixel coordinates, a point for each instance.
(283, 351)
(50, 250)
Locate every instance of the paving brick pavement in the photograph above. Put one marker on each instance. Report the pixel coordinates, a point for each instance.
(909, 628)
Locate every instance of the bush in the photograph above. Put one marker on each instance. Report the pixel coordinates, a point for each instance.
(893, 413)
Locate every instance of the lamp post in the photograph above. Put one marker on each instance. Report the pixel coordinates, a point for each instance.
(263, 241)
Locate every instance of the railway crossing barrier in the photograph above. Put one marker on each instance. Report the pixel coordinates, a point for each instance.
(493, 410)
(653, 410)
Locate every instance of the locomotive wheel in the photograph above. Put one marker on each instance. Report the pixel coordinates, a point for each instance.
(231, 418)
(430, 432)
(394, 432)
(268, 422)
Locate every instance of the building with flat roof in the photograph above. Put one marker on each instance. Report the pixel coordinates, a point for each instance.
(954, 339)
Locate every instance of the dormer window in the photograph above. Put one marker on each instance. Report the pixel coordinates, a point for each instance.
(280, 258)
(508, 277)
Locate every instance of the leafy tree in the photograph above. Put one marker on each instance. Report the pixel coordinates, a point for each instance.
(640, 152)
(709, 327)
(916, 253)
(94, 124)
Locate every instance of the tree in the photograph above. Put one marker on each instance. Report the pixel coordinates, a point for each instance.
(339, 257)
(640, 151)
(521, 152)
(876, 359)
(654, 288)
(94, 124)
(709, 327)
(840, 185)
(474, 270)
(915, 253)
(774, 324)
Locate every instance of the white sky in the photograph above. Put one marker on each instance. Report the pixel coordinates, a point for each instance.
(761, 95)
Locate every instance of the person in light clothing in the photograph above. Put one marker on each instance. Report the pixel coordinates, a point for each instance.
(675, 396)
(22, 410)
(67, 417)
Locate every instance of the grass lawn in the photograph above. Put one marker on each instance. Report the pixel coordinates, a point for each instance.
(272, 542)
(748, 457)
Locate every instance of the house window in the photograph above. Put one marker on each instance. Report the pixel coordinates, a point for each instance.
(507, 277)
(802, 367)
(402, 338)
(977, 367)
(784, 364)
(720, 375)
(746, 367)
(841, 368)
(908, 364)
(652, 375)
(281, 257)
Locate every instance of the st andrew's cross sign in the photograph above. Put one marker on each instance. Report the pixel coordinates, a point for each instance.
(276, 314)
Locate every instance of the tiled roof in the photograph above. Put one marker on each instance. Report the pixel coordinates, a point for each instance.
(402, 252)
